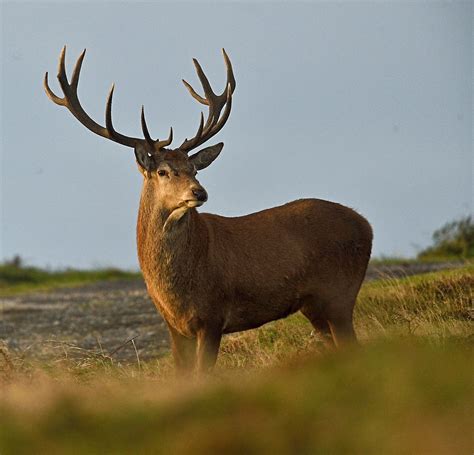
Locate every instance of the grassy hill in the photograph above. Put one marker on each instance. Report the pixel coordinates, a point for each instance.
(407, 389)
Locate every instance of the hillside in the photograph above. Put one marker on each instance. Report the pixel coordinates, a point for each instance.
(406, 389)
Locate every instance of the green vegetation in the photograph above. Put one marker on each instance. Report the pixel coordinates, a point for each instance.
(452, 242)
(386, 398)
(402, 261)
(407, 389)
(16, 277)
(455, 240)
(435, 305)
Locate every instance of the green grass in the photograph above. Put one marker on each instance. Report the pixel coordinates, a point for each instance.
(428, 259)
(392, 260)
(407, 389)
(19, 279)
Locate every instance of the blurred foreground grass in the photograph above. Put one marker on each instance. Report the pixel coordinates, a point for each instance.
(407, 389)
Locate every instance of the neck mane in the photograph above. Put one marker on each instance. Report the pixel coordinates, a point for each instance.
(171, 245)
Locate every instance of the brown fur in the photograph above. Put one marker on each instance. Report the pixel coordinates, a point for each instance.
(209, 275)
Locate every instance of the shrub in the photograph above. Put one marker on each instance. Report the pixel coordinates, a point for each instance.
(454, 240)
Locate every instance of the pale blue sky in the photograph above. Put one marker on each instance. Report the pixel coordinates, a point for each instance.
(365, 103)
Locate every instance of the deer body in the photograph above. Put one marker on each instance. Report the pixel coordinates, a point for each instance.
(243, 272)
(206, 272)
(209, 275)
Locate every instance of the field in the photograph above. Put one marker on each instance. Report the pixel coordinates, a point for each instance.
(100, 380)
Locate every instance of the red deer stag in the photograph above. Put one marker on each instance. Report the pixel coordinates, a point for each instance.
(209, 275)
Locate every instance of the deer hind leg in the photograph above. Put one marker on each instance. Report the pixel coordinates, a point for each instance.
(342, 328)
(333, 320)
(208, 343)
(312, 309)
(184, 351)
(339, 316)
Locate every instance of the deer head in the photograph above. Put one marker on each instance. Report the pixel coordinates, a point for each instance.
(171, 172)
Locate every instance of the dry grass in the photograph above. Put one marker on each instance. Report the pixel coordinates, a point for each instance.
(436, 305)
(276, 390)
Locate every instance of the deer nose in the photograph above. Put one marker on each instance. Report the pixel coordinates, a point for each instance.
(201, 194)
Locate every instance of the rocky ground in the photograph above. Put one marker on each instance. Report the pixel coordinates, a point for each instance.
(105, 318)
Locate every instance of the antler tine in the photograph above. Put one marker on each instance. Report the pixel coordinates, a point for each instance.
(54, 98)
(108, 111)
(225, 115)
(194, 94)
(160, 144)
(146, 133)
(216, 103)
(77, 70)
(61, 76)
(157, 145)
(62, 67)
(230, 71)
(188, 144)
(208, 92)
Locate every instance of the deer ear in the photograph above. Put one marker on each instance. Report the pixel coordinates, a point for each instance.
(206, 156)
(144, 157)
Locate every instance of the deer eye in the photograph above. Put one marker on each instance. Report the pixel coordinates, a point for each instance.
(162, 173)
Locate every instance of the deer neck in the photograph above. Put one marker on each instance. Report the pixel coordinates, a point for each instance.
(171, 245)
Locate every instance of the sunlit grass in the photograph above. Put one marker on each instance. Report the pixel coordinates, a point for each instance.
(406, 389)
(372, 400)
(436, 305)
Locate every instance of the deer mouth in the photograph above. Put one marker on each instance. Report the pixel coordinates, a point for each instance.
(193, 203)
(190, 203)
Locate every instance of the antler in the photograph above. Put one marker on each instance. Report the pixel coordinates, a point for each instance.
(71, 101)
(215, 102)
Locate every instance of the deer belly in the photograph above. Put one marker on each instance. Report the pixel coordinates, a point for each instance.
(249, 314)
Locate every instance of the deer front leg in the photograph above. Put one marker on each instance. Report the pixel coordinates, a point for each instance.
(184, 351)
(208, 342)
